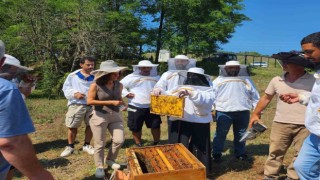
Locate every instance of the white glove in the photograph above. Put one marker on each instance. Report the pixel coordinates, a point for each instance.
(156, 91)
(304, 98)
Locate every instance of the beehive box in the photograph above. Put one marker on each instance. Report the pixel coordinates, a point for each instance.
(167, 105)
(164, 162)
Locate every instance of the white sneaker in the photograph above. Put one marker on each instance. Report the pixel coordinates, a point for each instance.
(113, 165)
(88, 148)
(100, 173)
(69, 150)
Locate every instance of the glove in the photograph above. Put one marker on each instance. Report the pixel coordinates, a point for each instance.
(156, 91)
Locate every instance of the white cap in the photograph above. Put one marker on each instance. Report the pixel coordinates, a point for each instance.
(10, 60)
(232, 63)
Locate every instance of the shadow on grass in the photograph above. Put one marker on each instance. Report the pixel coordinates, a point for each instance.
(45, 146)
(54, 163)
(230, 163)
(107, 176)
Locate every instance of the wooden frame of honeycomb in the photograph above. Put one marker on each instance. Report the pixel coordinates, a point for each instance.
(167, 105)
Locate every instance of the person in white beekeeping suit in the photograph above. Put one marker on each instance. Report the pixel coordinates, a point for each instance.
(137, 87)
(175, 76)
(235, 95)
(193, 129)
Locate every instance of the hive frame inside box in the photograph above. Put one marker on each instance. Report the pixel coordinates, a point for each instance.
(167, 105)
(167, 162)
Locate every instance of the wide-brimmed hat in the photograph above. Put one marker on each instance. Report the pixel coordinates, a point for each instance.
(293, 57)
(10, 60)
(145, 63)
(182, 57)
(106, 67)
(198, 70)
(232, 63)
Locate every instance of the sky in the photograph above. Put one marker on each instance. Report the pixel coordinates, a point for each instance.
(275, 26)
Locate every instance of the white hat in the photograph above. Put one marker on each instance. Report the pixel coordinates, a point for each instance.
(10, 60)
(2, 49)
(183, 57)
(106, 67)
(232, 63)
(198, 70)
(145, 63)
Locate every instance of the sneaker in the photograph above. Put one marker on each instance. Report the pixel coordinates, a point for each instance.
(88, 148)
(139, 145)
(243, 157)
(100, 173)
(69, 150)
(113, 165)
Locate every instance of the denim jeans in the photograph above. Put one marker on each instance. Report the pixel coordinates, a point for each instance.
(239, 120)
(307, 165)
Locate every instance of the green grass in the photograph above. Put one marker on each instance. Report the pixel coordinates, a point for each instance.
(51, 134)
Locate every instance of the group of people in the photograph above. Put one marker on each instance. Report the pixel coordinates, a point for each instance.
(96, 97)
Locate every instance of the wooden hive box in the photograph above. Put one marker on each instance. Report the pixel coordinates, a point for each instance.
(164, 162)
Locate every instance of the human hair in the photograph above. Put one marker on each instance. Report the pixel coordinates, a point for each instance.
(103, 79)
(5, 68)
(88, 58)
(313, 38)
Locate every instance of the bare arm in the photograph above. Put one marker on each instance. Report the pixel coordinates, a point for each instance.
(92, 101)
(289, 98)
(262, 104)
(19, 152)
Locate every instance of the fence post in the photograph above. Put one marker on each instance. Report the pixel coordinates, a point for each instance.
(245, 59)
(260, 61)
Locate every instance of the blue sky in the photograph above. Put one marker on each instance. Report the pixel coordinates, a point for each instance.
(276, 25)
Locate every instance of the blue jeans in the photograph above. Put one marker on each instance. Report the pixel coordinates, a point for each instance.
(239, 120)
(307, 165)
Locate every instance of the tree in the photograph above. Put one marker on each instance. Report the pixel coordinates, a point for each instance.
(194, 26)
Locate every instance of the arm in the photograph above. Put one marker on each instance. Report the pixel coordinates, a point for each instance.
(69, 92)
(254, 94)
(161, 86)
(262, 104)
(290, 98)
(126, 85)
(92, 95)
(19, 152)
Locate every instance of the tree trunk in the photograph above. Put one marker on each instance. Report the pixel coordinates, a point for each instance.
(159, 39)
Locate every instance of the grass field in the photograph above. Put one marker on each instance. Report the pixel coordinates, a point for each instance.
(50, 139)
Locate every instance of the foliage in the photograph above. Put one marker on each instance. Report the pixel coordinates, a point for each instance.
(56, 33)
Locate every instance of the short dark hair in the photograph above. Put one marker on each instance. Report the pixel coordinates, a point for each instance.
(88, 58)
(313, 38)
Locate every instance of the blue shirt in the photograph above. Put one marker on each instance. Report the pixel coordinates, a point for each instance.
(14, 117)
